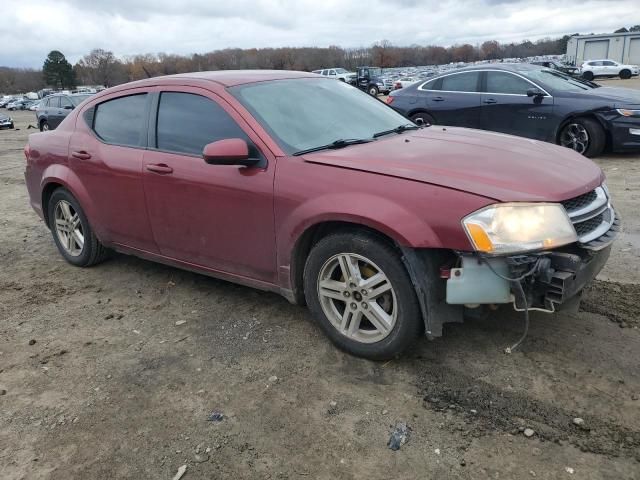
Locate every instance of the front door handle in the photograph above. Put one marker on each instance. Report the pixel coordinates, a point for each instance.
(438, 99)
(82, 155)
(490, 101)
(159, 168)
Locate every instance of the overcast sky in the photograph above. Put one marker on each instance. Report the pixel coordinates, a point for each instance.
(29, 29)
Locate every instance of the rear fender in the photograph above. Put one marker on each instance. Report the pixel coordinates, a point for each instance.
(64, 176)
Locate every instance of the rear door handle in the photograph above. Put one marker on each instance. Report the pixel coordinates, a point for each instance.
(159, 168)
(82, 155)
(438, 99)
(490, 100)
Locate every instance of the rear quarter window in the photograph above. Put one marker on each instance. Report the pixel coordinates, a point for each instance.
(121, 121)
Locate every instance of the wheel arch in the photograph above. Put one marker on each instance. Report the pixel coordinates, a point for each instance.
(316, 232)
(61, 177)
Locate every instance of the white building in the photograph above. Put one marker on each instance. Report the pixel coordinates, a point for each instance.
(621, 47)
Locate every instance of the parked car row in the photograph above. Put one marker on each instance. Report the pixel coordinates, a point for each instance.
(528, 101)
(385, 229)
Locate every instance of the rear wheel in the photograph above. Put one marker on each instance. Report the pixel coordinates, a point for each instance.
(584, 135)
(625, 74)
(425, 117)
(71, 231)
(361, 296)
(373, 90)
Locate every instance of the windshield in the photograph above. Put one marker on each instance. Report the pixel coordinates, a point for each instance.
(78, 99)
(558, 81)
(307, 113)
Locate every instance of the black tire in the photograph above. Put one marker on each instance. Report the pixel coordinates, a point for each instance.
(408, 324)
(44, 126)
(93, 252)
(625, 74)
(373, 90)
(426, 118)
(597, 137)
(587, 75)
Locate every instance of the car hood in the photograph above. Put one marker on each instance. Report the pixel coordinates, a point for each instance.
(4, 117)
(619, 95)
(493, 165)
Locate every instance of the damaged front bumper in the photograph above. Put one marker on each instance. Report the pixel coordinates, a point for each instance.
(550, 280)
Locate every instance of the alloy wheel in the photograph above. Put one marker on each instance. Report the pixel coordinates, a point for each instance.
(69, 228)
(45, 126)
(576, 137)
(357, 298)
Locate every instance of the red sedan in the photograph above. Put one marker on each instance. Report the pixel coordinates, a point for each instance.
(292, 183)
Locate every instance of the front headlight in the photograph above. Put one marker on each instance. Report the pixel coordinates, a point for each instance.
(625, 112)
(509, 228)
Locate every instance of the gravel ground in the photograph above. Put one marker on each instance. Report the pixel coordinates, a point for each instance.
(114, 372)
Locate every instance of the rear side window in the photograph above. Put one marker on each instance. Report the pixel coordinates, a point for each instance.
(461, 82)
(506, 83)
(65, 102)
(430, 85)
(121, 121)
(187, 122)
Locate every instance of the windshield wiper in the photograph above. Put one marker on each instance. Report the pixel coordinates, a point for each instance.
(398, 129)
(341, 143)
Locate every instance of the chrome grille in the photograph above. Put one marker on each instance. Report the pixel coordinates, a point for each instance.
(580, 202)
(593, 218)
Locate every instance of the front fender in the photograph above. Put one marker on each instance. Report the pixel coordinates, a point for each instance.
(378, 213)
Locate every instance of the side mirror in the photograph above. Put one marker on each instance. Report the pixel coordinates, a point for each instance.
(230, 151)
(535, 92)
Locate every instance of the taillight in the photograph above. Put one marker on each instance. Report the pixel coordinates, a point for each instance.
(27, 151)
(389, 100)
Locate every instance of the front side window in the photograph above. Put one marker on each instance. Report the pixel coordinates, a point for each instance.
(187, 122)
(461, 82)
(506, 83)
(315, 112)
(54, 102)
(121, 121)
(555, 80)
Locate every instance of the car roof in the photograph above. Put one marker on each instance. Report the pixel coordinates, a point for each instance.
(226, 78)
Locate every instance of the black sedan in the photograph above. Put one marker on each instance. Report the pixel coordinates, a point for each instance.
(529, 101)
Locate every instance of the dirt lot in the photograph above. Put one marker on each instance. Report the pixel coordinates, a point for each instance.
(99, 382)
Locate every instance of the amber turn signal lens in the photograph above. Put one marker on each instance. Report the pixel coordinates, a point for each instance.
(480, 238)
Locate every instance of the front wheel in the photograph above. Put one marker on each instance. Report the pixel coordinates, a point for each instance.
(361, 295)
(625, 74)
(71, 231)
(44, 126)
(373, 91)
(584, 135)
(587, 75)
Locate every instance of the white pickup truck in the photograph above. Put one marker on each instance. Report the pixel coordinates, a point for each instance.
(337, 73)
